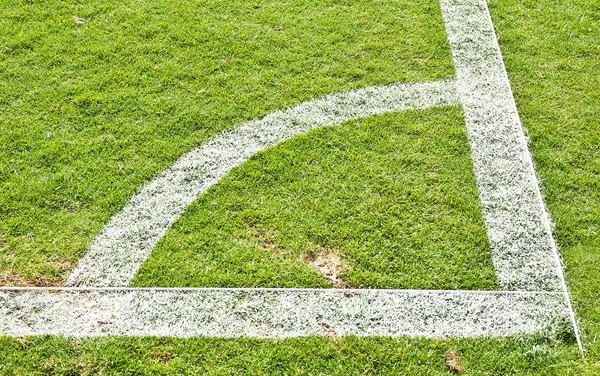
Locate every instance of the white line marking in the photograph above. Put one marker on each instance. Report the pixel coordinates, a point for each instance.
(515, 217)
(545, 213)
(280, 313)
(279, 289)
(128, 239)
(524, 252)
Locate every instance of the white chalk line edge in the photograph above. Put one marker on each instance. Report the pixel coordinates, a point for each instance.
(541, 203)
(469, 24)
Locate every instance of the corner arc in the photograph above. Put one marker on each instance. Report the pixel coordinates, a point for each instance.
(130, 236)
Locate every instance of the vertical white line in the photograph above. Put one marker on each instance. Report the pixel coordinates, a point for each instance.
(523, 250)
(545, 214)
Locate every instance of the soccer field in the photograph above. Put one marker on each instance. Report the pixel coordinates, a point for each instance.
(342, 187)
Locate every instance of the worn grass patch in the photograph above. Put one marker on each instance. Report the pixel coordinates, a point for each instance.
(393, 195)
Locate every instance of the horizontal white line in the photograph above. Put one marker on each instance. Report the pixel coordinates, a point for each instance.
(299, 289)
(279, 313)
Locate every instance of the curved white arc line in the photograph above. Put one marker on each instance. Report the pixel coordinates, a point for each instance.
(128, 239)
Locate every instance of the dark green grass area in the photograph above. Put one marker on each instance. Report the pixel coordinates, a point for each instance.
(392, 197)
(96, 97)
(307, 356)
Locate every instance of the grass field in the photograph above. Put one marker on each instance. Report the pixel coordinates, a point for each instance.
(90, 108)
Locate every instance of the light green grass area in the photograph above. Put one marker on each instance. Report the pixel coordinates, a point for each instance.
(92, 107)
(552, 55)
(392, 199)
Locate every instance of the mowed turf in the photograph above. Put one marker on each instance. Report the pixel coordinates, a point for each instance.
(98, 97)
(388, 202)
(551, 52)
(301, 356)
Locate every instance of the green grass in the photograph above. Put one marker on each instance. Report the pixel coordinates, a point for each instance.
(91, 111)
(394, 197)
(552, 55)
(314, 356)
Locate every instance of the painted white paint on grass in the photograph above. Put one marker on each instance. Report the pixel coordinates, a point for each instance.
(280, 313)
(128, 239)
(523, 250)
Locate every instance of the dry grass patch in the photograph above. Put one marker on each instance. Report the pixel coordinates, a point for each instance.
(329, 264)
(452, 361)
(163, 356)
(14, 280)
(11, 278)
